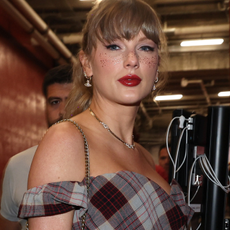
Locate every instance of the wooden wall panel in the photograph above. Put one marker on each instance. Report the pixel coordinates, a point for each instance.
(22, 118)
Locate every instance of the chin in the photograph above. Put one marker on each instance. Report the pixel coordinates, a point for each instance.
(132, 102)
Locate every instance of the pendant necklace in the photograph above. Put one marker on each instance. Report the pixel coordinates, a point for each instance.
(130, 146)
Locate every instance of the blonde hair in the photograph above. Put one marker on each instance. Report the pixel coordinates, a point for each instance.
(107, 21)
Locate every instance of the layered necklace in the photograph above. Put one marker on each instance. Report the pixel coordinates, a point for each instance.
(107, 127)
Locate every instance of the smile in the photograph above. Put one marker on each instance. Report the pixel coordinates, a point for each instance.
(130, 80)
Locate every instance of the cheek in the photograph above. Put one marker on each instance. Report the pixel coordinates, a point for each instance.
(49, 112)
(151, 61)
(52, 110)
(109, 60)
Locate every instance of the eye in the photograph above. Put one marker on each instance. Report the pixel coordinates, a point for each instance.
(147, 48)
(112, 47)
(54, 102)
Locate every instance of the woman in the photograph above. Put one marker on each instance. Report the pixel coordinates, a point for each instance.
(119, 187)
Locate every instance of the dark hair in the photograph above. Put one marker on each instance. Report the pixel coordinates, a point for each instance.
(163, 146)
(60, 74)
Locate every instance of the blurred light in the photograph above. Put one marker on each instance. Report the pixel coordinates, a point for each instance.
(202, 42)
(93, 1)
(168, 97)
(224, 94)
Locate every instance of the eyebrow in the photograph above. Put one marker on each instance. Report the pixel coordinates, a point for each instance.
(52, 98)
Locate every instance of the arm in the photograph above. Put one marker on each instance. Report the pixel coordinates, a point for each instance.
(60, 157)
(9, 225)
(9, 206)
(56, 222)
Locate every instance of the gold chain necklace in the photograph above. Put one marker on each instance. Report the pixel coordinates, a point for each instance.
(107, 127)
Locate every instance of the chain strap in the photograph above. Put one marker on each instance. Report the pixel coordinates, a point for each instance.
(87, 168)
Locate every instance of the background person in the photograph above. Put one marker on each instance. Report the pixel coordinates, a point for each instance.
(98, 177)
(56, 87)
(164, 163)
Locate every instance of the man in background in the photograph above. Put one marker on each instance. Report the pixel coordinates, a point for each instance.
(164, 161)
(56, 88)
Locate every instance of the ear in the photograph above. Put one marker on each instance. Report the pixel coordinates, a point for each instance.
(86, 65)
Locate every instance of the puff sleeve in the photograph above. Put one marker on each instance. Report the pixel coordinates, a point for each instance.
(54, 198)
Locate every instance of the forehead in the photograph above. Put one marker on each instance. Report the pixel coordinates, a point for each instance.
(138, 37)
(163, 152)
(59, 90)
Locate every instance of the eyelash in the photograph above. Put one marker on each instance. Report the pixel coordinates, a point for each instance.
(54, 102)
(116, 47)
(112, 47)
(149, 48)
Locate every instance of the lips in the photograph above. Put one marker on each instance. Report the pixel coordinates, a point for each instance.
(130, 80)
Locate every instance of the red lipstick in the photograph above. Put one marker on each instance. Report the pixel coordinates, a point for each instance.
(130, 80)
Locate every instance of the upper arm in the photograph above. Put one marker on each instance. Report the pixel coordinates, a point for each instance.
(59, 157)
(56, 222)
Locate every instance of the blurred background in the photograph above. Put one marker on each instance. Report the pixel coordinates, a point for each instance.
(36, 35)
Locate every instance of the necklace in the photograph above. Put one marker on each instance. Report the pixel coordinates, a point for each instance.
(107, 127)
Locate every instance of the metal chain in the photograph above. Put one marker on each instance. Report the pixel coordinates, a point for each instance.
(130, 146)
(87, 168)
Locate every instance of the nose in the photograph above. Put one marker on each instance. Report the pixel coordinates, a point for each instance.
(131, 60)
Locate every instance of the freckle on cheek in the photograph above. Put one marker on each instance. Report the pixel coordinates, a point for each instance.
(150, 62)
(103, 59)
(106, 60)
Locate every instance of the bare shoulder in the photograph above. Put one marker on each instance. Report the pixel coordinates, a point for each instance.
(64, 132)
(59, 157)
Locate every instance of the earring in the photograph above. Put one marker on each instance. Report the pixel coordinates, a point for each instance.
(156, 80)
(88, 79)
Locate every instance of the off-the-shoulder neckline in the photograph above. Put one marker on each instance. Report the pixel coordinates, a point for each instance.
(174, 182)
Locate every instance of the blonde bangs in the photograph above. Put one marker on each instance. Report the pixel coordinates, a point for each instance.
(121, 19)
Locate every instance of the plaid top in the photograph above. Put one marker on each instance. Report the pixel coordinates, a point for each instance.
(122, 200)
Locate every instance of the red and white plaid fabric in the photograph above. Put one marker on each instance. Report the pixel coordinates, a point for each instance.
(123, 200)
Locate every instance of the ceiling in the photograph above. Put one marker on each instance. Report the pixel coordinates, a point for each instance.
(204, 70)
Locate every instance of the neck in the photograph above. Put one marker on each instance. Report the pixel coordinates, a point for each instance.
(130, 146)
(120, 119)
